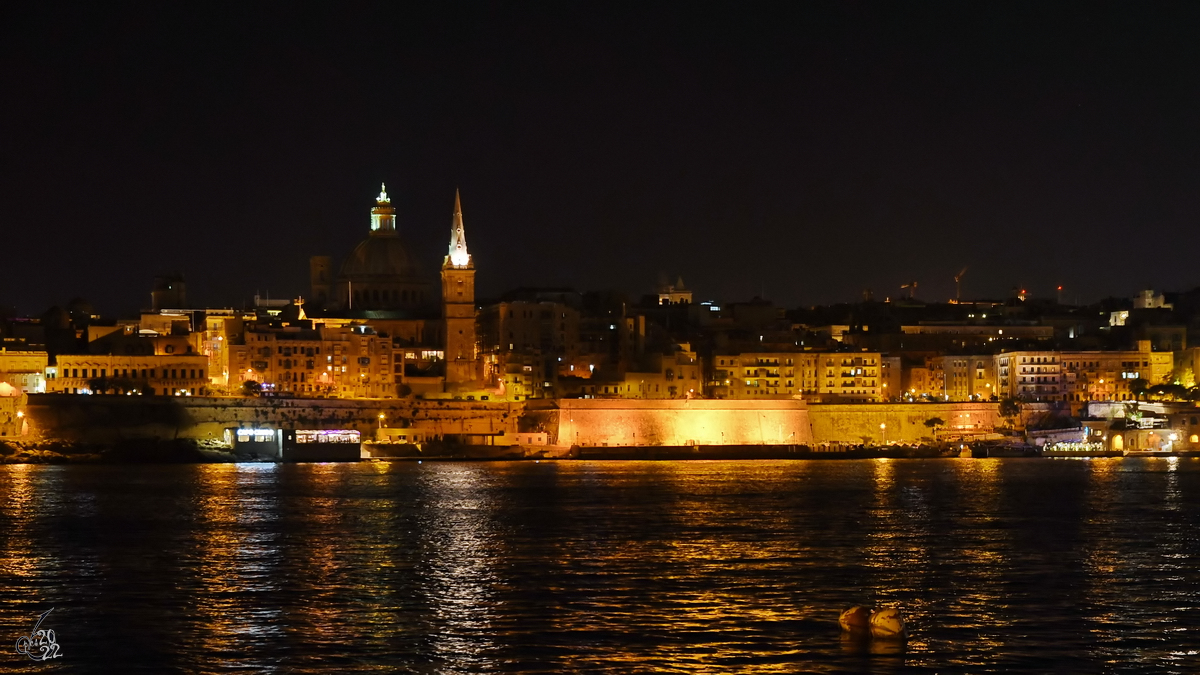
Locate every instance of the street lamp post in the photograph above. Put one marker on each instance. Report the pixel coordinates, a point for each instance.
(883, 430)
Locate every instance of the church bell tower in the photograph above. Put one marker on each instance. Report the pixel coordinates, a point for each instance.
(458, 305)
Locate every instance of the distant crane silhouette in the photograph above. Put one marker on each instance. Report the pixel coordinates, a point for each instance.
(958, 287)
(912, 289)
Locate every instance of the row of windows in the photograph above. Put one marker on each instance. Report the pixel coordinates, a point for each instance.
(768, 383)
(299, 351)
(166, 392)
(1051, 380)
(146, 373)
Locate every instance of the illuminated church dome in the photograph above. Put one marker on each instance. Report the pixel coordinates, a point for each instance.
(381, 273)
(381, 255)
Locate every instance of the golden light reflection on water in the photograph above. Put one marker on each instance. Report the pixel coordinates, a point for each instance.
(1102, 561)
(980, 603)
(20, 505)
(699, 590)
(629, 567)
(1135, 530)
(895, 554)
(342, 597)
(236, 553)
(892, 541)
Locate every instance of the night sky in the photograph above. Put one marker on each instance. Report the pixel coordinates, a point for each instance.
(803, 151)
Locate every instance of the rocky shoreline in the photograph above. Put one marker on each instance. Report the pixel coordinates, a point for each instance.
(182, 451)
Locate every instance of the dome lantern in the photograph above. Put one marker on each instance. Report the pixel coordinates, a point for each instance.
(383, 216)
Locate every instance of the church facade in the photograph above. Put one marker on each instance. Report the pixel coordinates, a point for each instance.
(381, 284)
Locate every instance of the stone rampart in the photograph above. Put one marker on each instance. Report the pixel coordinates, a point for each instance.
(583, 422)
(875, 423)
(109, 419)
(599, 422)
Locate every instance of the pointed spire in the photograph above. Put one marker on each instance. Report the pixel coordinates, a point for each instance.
(383, 198)
(458, 237)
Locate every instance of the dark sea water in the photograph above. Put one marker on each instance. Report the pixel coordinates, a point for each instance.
(1002, 565)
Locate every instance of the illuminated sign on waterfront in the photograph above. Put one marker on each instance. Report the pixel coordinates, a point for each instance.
(328, 436)
(255, 435)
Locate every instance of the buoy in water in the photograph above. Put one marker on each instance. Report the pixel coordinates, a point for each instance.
(887, 623)
(855, 619)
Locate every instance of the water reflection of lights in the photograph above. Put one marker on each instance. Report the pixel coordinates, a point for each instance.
(237, 556)
(895, 539)
(19, 504)
(459, 548)
(707, 593)
(985, 551)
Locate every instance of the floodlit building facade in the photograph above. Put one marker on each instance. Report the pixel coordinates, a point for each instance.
(764, 375)
(967, 377)
(146, 374)
(24, 370)
(850, 377)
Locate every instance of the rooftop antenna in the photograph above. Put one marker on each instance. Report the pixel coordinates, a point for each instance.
(957, 286)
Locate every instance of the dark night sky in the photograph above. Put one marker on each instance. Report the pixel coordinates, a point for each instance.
(807, 149)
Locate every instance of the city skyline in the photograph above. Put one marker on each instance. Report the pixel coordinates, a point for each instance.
(842, 336)
(803, 155)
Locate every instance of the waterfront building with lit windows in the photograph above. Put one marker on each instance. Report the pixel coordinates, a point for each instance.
(333, 362)
(1030, 375)
(145, 374)
(24, 370)
(1081, 376)
(967, 377)
(222, 329)
(764, 375)
(850, 377)
(1107, 375)
(835, 377)
(921, 379)
(529, 344)
(677, 374)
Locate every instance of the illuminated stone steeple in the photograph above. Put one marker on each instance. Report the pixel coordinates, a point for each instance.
(458, 306)
(458, 256)
(383, 216)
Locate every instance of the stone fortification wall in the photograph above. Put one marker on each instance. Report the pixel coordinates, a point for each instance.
(110, 419)
(905, 422)
(584, 422)
(598, 422)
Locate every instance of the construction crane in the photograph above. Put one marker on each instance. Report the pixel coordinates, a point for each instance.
(958, 287)
(912, 289)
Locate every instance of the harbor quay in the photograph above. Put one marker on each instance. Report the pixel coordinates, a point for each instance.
(235, 427)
